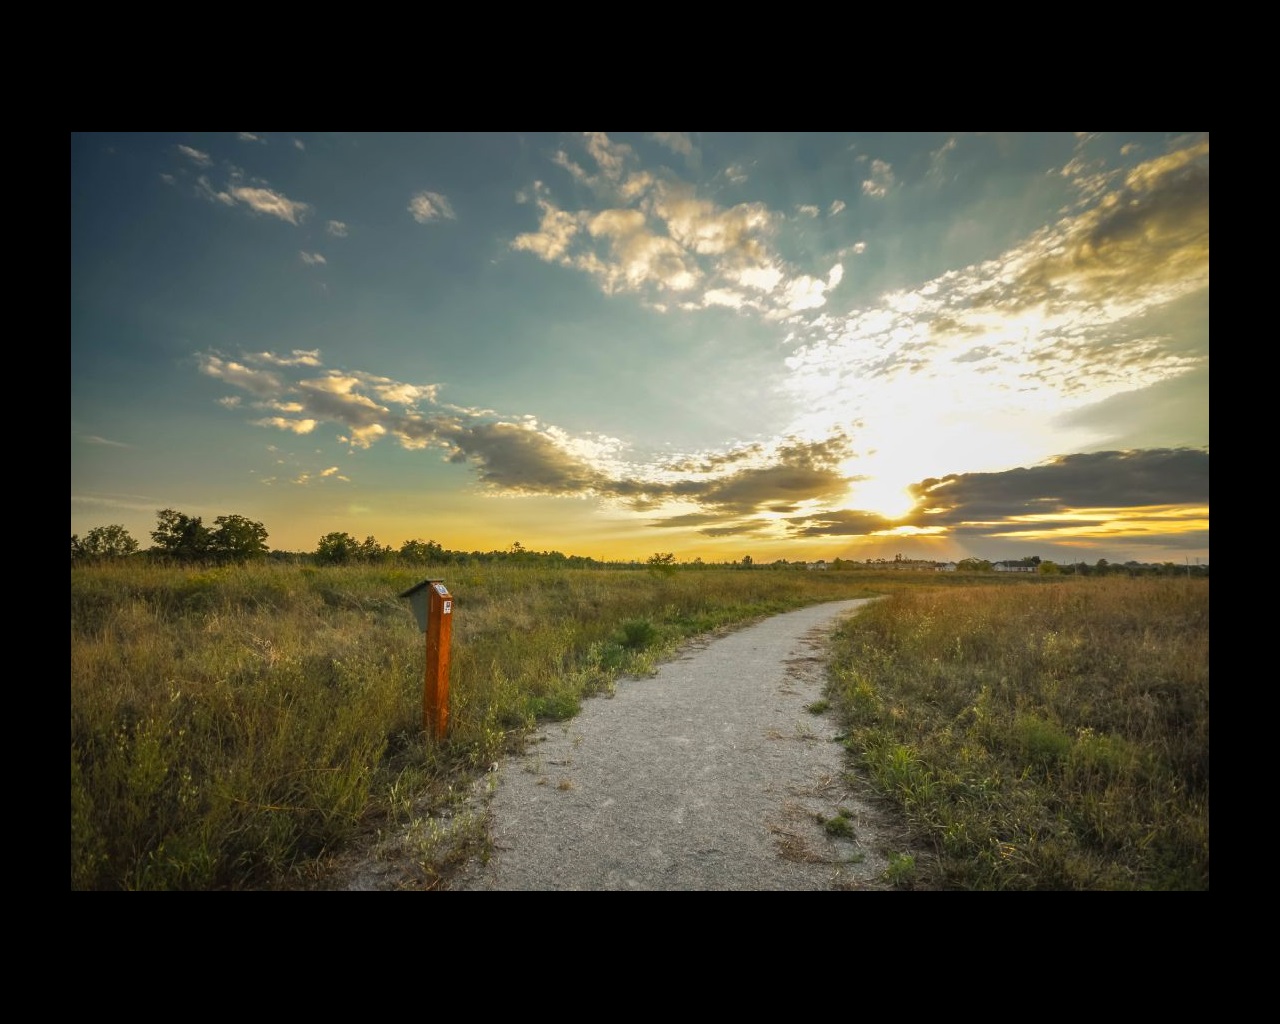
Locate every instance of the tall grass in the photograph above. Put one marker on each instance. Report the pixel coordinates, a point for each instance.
(231, 727)
(1041, 736)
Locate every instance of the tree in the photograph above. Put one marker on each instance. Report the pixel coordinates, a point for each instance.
(662, 564)
(179, 536)
(336, 549)
(112, 541)
(746, 561)
(417, 552)
(372, 551)
(237, 539)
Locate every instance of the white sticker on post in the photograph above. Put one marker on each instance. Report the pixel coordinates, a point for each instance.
(448, 608)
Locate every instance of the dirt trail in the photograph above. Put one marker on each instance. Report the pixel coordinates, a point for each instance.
(711, 775)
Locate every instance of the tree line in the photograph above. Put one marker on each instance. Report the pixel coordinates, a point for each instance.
(232, 539)
(178, 538)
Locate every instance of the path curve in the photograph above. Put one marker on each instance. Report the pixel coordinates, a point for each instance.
(710, 775)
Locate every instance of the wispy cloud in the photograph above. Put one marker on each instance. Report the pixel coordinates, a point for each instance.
(270, 202)
(282, 423)
(430, 206)
(253, 194)
(249, 137)
(95, 439)
(200, 159)
(298, 357)
(312, 258)
(336, 228)
(880, 180)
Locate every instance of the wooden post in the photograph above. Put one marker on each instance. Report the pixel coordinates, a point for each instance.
(433, 608)
(435, 687)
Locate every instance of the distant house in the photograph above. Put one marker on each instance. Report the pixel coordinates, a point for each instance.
(819, 564)
(1006, 567)
(946, 567)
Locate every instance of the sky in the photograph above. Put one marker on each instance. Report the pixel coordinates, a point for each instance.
(782, 345)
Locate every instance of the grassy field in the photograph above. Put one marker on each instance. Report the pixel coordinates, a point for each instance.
(1043, 737)
(231, 728)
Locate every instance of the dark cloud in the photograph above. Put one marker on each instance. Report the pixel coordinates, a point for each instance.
(1152, 231)
(823, 454)
(752, 489)
(519, 458)
(798, 471)
(841, 523)
(1116, 479)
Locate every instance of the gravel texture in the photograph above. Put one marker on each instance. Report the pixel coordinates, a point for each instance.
(714, 774)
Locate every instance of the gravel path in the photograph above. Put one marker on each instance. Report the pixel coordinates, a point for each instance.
(711, 775)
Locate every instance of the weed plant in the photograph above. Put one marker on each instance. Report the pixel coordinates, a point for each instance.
(1053, 735)
(233, 727)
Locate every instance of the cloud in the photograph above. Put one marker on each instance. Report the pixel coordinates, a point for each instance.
(94, 439)
(257, 197)
(836, 206)
(841, 523)
(881, 180)
(1150, 236)
(1090, 307)
(200, 159)
(518, 455)
(429, 206)
(1159, 494)
(336, 228)
(280, 422)
(1106, 480)
(795, 485)
(677, 142)
(312, 258)
(653, 235)
(298, 357)
(271, 203)
(555, 232)
(262, 383)
(249, 137)
(299, 144)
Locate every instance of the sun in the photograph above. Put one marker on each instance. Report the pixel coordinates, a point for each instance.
(883, 495)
